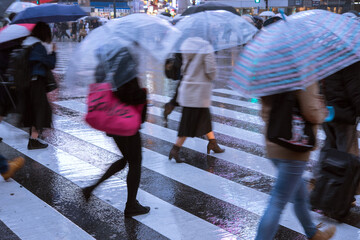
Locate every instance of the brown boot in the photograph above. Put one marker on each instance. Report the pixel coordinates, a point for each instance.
(14, 166)
(212, 145)
(324, 235)
(174, 153)
(168, 109)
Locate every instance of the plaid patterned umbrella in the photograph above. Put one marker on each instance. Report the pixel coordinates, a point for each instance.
(292, 54)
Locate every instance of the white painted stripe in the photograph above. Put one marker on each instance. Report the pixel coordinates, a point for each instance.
(30, 218)
(236, 194)
(179, 223)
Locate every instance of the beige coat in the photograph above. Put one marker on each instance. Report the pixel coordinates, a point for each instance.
(199, 70)
(313, 110)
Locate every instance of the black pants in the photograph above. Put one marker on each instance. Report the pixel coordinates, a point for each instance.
(130, 147)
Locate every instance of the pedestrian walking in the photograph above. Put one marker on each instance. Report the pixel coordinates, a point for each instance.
(63, 27)
(291, 165)
(128, 92)
(33, 102)
(73, 33)
(82, 30)
(342, 92)
(9, 168)
(194, 93)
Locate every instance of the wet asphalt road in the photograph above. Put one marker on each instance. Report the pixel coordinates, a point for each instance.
(216, 196)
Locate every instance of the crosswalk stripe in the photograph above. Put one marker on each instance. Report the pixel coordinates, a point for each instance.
(27, 216)
(248, 197)
(186, 225)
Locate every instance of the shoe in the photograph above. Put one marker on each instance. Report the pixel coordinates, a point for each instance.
(212, 145)
(14, 166)
(353, 203)
(324, 235)
(136, 209)
(174, 153)
(36, 144)
(87, 192)
(168, 108)
(1, 139)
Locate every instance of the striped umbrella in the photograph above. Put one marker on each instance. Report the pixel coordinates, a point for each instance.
(292, 54)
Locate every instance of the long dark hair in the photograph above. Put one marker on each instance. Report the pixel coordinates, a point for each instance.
(42, 31)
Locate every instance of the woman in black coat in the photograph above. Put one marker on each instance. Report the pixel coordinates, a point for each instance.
(130, 146)
(33, 101)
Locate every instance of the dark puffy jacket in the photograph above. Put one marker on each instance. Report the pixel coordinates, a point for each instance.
(41, 62)
(342, 91)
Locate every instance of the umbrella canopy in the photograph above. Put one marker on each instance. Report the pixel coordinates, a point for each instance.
(272, 20)
(4, 5)
(221, 28)
(143, 35)
(295, 53)
(267, 14)
(15, 31)
(17, 7)
(49, 13)
(209, 6)
(352, 14)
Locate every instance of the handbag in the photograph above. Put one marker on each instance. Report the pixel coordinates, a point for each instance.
(106, 113)
(287, 127)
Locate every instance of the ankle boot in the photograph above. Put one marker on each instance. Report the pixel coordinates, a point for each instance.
(174, 153)
(212, 145)
(36, 144)
(324, 235)
(87, 192)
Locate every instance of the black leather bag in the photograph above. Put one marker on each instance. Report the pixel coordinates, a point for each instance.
(287, 127)
(339, 177)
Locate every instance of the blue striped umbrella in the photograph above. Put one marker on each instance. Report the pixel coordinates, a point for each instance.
(292, 54)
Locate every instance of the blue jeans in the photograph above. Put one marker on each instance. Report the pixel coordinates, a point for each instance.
(289, 186)
(3, 164)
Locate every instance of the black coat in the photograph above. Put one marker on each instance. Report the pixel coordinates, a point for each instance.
(342, 91)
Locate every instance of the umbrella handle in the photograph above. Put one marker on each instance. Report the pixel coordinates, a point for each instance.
(282, 14)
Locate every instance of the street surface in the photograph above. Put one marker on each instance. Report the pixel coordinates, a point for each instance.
(216, 196)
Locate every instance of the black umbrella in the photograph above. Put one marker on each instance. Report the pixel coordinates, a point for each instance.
(272, 20)
(4, 5)
(209, 6)
(167, 14)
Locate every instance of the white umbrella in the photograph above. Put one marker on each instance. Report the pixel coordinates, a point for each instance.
(15, 31)
(17, 7)
(222, 29)
(267, 14)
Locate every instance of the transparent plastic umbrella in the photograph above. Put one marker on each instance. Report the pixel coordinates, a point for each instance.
(141, 34)
(222, 29)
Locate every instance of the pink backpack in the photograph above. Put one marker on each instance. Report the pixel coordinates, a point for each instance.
(106, 113)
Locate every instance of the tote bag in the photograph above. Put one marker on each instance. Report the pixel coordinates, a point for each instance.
(106, 113)
(287, 127)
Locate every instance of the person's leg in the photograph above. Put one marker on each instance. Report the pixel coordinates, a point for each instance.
(114, 168)
(289, 176)
(174, 152)
(130, 147)
(169, 107)
(302, 209)
(212, 145)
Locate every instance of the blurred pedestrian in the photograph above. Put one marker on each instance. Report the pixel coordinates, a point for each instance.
(33, 101)
(342, 92)
(9, 168)
(194, 93)
(82, 30)
(291, 164)
(73, 33)
(129, 93)
(63, 28)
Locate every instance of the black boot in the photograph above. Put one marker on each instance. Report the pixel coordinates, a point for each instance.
(135, 209)
(168, 108)
(174, 153)
(87, 192)
(1, 139)
(35, 144)
(212, 145)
